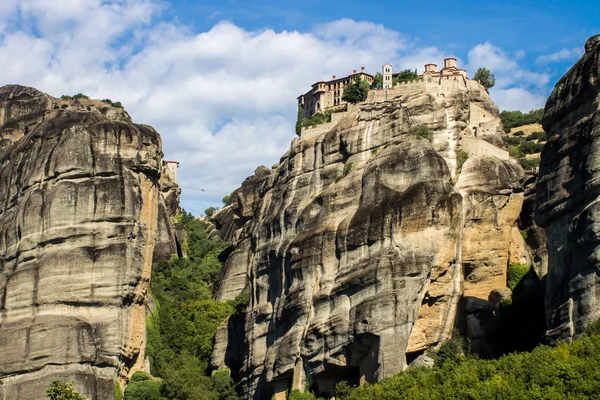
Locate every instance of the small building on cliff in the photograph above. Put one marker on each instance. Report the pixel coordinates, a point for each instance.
(328, 94)
(169, 168)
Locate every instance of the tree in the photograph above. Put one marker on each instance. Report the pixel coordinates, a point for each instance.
(62, 391)
(140, 387)
(224, 385)
(377, 81)
(227, 199)
(210, 211)
(356, 91)
(485, 77)
(405, 76)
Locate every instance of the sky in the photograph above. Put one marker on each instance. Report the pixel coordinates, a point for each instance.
(219, 79)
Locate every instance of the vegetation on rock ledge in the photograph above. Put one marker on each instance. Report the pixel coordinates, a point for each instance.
(181, 329)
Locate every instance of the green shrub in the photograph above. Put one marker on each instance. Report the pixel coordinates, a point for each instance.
(143, 389)
(593, 329)
(451, 351)
(317, 119)
(343, 390)
(117, 104)
(62, 391)
(210, 211)
(139, 376)
(461, 158)
(299, 120)
(224, 385)
(515, 152)
(512, 119)
(523, 234)
(515, 141)
(518, 133)
(515, 273)
(541, 136)
(561, 372)
(107, 101)
(347, 168)
(298, 395)
(422, 131)
(227, 199)
(405, 76)
(240, 303)
(531, 147)
(530, 163)
(66, 97)
(80, 96)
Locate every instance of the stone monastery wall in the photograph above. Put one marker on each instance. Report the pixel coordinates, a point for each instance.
(478, 147)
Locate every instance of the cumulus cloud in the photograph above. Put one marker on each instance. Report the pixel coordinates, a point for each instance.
(223, 100)
(517, 88)
(561, 55)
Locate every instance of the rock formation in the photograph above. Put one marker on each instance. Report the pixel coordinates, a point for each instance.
(352, 247)
(81, 214)
(567, 197)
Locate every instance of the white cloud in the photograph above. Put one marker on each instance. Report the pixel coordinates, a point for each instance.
(517, 99)
(516, 88)
(561, 55)
(223, 100)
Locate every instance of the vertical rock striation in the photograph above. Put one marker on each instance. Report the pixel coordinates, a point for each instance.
(351, 248)
(79, 223)
(567, 197)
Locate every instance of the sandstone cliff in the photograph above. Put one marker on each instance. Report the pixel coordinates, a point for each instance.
(567, 197)
(81, 214)
(357, 248)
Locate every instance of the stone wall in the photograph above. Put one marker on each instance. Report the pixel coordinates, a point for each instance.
(478, 147)
(313, 131)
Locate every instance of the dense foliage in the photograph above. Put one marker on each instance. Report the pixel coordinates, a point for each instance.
(461, 158)
(181, 329)
(562, 372)
(356, 91)
(299, 119)
(141, 387)
(512, 119)
(405, 76)
(422, 132)
(485, 77)
(62, 391)
(317, 119)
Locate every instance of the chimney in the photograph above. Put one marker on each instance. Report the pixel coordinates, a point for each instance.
(362, 69)
(353, 71)
(334, 77)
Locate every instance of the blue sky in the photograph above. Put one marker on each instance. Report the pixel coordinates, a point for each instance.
(218, 79)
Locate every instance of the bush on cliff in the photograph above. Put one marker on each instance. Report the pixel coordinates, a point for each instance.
(141, 387)
(356, 91)
(62, 391)
(512, 119)
(405, 76)
(561, 372)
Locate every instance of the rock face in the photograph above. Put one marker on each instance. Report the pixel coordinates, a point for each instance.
(567, 197)
(80, 219)
(352, 248)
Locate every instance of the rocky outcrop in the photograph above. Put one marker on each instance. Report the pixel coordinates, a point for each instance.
(79, 222)
(352, 247)
(567, 197)
(492, 201)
